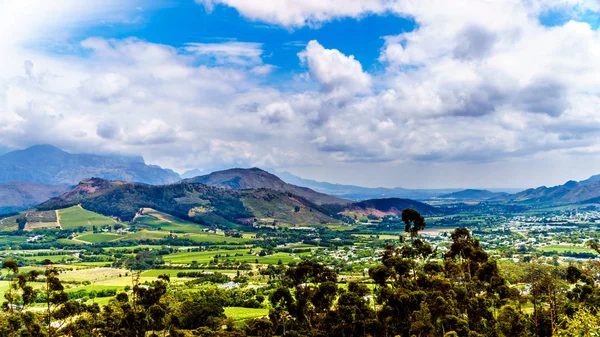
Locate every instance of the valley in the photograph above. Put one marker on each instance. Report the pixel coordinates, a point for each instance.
(105, 236)
(235, 236)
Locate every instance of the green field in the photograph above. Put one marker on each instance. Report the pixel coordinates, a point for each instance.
(207, 256)
(560, 249)
(74, 217)
(240, 313)
(98, 237)
(53, 258)
(157, 220)
(145, 235)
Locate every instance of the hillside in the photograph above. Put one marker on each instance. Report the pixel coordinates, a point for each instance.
(16, 195)
(190, 201)
(389, 206)
(569, 193)
(46, 164)
(473, 194)
(255, 178)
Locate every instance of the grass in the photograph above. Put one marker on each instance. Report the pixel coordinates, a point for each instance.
(206, 256)
(93, 274)
(561, 249)
(53, 258)
(76, 216)
(145, 235)
(12, 239)
(213, 238)
(163, 221)
(241, 314)
(98, 237)
(172, 272)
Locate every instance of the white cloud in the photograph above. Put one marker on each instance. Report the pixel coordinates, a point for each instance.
(337, 73)
(231, 52)
(296, 13)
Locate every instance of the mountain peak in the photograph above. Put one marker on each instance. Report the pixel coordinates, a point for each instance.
(256, 178)
(43, 147)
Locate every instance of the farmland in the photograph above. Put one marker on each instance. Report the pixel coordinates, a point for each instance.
(99, 257)
(75, 217)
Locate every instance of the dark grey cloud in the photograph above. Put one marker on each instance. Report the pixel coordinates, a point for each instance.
(108, 131)
(481, 100)
(546, 96)
(474, 43)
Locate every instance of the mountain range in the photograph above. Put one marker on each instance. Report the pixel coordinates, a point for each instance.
(46, 164)
(357, 193)
(571, 192)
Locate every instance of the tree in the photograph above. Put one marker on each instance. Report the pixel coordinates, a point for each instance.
(511, 322)
(21, 222)
(413, 222)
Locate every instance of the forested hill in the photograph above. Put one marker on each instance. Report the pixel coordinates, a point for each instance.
(389, 206)
(255, 178)
(193, 201)
(46, 164)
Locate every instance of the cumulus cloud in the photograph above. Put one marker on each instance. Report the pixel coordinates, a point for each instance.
(296, 13)
(334, 71)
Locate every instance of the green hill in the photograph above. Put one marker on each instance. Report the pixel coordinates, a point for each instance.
(192, 202)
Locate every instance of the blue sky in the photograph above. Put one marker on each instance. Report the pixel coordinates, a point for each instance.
(411, 93)
(180, 22)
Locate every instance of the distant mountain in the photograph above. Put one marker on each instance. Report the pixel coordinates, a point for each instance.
(255, 178)
(16, 196)
(569, 193)
(191, 174)
(192, 201)
(357, 193)
(47, 164)
(472, 194)
(388, 206)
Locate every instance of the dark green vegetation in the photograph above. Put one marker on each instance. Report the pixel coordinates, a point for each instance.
(414, 290)
(389, 206)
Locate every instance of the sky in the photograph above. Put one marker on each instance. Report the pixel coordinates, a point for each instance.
(410, 93)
